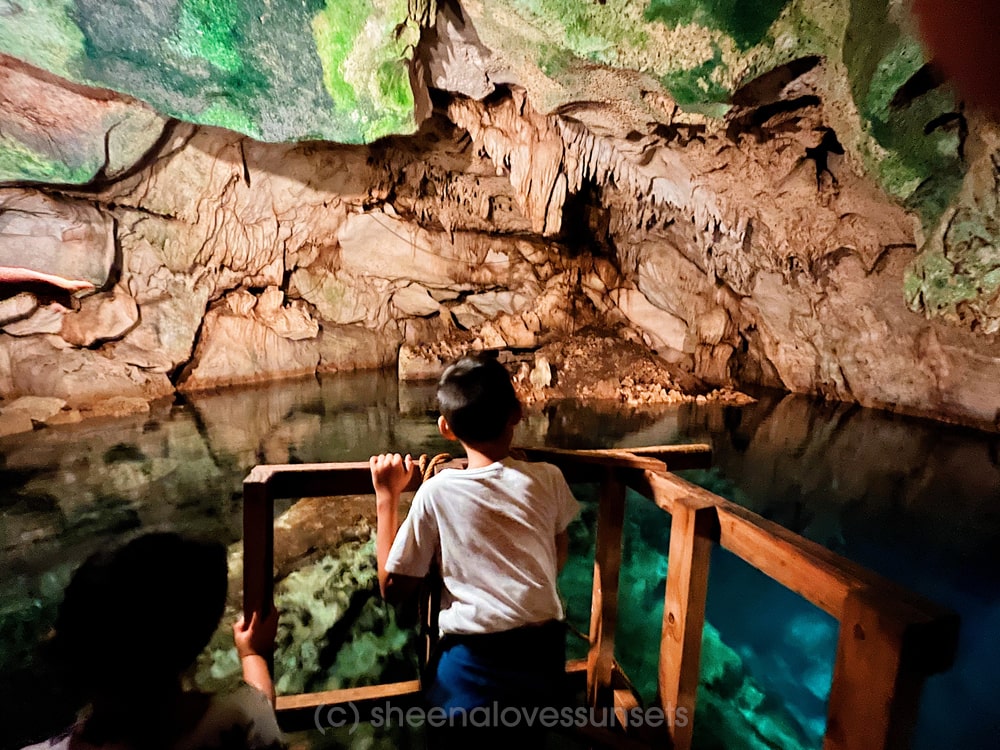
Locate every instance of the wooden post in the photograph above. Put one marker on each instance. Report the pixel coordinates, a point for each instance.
(604, 604)
(692, 530)
(258, 548)
(882, 662)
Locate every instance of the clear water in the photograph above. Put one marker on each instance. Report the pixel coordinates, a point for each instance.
(916, 501)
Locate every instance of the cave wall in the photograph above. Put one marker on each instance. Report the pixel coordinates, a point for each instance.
(227, 260)
(794, 199)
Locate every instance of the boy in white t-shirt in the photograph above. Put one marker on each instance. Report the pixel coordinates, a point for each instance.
(496, 533)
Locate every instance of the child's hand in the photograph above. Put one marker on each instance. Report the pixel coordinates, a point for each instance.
(391, 473)
(257, 638)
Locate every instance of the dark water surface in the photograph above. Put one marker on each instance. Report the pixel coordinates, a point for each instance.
(916, 501)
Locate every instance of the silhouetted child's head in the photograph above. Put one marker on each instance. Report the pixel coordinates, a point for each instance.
(139, 615)
(477, 399)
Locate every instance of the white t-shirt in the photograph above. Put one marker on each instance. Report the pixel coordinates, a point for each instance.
(492, 533)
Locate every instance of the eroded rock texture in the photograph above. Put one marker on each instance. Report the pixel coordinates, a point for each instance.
(794, 199)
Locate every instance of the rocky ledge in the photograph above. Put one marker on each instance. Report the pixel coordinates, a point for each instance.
(608, 365)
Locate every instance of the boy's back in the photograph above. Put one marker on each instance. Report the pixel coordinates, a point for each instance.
(492, 532)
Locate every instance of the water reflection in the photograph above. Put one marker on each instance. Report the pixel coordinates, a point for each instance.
(916, 501)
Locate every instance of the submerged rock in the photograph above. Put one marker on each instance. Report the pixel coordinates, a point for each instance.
(14, 422)
(334, 630)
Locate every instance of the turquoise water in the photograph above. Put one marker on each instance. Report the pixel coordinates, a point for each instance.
(916, 501)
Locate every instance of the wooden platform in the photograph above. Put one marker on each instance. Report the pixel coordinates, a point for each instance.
(890, 638)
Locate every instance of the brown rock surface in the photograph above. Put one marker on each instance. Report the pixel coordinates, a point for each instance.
(68, 239)
(101, 317)
(47, 366)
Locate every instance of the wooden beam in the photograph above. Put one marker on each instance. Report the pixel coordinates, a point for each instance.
(811, 570)
(576, 667)
(258, 548)
(666, 489)
(679, 457)
(354, 477)
(625, 703)
(879, 673)
(343, 708)
(567, 460)
(393, 693)
(692, 531)
(317, 480)
(604, 603)
(807, 568)
(358, 695)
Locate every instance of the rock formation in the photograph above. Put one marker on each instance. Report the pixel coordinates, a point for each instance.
(795, 199)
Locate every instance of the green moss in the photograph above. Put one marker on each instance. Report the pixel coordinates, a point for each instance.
(208, 29)
(899, 63)
(274, 69)
(225, 114)
(698, 84)
(913, 285)
(746, 21)
(394, 83)
(19, 162)
(335, 30)
(942, 288)
(869, 37)
(592, 31)
(364, 50)
(554, 60)
(43, 33)
(921, 167)
(962, 272)
(911, 159)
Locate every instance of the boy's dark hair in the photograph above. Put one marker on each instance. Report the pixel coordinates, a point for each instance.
(477, 398)
(141, 613)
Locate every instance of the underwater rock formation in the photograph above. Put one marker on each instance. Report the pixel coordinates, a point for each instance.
(334, 631)
(734, 707)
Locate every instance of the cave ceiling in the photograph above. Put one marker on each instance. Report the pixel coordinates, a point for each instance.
(353, 71)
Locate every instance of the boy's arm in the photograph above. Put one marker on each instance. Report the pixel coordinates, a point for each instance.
(253, 643)
(390, 475)
(566, 509)
(562, 549)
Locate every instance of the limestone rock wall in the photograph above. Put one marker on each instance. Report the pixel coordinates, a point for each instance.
(756, 254)
(778, 203)
(225, 260)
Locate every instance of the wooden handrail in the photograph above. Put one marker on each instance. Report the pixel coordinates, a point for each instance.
(890, 638)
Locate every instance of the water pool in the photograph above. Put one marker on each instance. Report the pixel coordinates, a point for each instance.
(916, 501)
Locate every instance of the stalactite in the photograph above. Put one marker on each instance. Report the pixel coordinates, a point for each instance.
(549, 158)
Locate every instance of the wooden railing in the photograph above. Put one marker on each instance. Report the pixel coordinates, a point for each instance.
(890, 639)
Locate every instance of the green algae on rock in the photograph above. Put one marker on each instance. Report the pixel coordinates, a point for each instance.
(277, 71)
(106, 135)
(959, 278)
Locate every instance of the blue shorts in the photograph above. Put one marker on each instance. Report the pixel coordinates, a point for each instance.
(521, 667)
